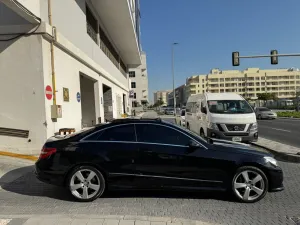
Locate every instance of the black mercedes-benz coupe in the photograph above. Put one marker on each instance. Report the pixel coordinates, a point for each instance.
(145, 154)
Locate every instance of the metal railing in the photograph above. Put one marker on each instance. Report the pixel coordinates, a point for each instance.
(92, 33)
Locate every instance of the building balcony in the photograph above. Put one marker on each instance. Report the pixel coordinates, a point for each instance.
(121, 28)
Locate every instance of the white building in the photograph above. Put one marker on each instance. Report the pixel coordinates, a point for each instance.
(95, 42)
(139, 83)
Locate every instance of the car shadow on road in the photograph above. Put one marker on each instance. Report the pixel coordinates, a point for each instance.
(209, 195)
(24, 182)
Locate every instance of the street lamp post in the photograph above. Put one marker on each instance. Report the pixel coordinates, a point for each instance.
(173, 75)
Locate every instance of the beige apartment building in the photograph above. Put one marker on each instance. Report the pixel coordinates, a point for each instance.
(163, 95)
(249, 82)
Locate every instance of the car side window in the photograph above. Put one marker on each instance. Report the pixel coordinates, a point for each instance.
(118, 133)
(160, 134)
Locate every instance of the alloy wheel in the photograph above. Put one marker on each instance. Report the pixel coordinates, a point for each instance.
(85, 184)
(249, 185)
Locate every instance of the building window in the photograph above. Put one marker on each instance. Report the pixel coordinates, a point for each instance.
(134, 95)
(257, 78)
(221, 79)
(133, 85)
(91, 25)
(131, 73)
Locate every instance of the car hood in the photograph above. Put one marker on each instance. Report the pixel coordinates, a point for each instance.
(268, 112)
(235, 147)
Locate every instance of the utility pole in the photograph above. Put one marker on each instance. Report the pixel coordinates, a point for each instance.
(173, 75)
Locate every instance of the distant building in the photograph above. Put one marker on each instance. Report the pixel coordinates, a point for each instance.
(163, 95)
(139, 83)
(248, 83)
(180, 94)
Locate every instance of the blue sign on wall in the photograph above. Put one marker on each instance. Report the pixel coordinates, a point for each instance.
(78, 97)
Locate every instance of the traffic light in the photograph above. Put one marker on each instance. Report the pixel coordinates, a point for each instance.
(235, 59)
(274, 57)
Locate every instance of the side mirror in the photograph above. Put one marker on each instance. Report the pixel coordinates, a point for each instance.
(203, 110)
(193, 144)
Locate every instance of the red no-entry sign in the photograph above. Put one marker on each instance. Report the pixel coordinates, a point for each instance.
(48, 91)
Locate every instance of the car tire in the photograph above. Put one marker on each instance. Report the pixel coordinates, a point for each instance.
(249, 184)
(86, 183)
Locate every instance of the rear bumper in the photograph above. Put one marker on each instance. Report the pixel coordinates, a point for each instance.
(249, 137)
(49, 177)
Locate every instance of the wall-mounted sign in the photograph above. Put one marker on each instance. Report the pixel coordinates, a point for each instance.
(131, 93)
(78, 97)
(48, 92)
(66, 94)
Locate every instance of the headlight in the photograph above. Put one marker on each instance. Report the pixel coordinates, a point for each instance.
(213, 126)
(271, 160)
(254, 127)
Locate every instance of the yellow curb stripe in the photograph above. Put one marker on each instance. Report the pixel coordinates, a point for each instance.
(20, 156)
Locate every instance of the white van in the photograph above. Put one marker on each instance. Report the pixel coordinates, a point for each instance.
(221, 115)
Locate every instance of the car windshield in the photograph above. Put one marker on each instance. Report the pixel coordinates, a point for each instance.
(229, 107)
(264, 109)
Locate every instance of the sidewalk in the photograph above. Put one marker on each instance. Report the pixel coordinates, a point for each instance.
(96, 220)
(283, 151)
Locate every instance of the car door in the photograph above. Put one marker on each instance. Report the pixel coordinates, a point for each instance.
(166, 160)
(115, 150)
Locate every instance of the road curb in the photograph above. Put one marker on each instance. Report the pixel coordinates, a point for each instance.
(280, 155)
(127, 219)
(290, 118)
(19, 156)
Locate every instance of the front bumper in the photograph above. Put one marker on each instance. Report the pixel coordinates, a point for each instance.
(268, 116)
(251, 136)
(275, 180)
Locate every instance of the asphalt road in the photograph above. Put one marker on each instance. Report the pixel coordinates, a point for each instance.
(286, 131)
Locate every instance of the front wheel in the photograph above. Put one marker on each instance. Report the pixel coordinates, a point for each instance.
(86, 183)
(249, 184)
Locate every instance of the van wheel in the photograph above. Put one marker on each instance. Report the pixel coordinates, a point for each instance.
(202, 133)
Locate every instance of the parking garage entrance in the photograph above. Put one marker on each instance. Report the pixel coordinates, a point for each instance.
(88, 109)
(107, 103)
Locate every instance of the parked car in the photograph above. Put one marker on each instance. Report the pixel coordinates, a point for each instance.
(180, 117)
(169, 111)
(265, 113)
(144, 154)
(221, 115)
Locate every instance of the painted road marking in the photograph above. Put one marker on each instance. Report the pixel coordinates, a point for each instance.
(281, 130)
(4, 221)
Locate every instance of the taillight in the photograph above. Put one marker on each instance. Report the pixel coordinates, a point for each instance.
(46, 152)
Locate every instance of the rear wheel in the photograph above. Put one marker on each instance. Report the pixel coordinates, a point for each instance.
(249, 184)
(86, 183)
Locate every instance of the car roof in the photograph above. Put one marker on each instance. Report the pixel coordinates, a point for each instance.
(137, 120)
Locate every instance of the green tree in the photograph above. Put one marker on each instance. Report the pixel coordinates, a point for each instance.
(266, 96)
